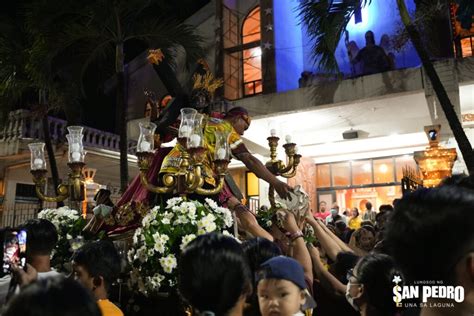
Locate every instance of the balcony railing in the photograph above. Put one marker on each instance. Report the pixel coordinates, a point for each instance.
(22, 125)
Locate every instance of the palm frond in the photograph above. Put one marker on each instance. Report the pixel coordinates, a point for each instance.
(326, 21)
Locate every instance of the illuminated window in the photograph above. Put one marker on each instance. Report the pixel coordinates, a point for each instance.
(467, 46)
(252, 184)
(252, 57)
(323, 175)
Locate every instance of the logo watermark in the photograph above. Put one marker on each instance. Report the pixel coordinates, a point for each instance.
(423, 290)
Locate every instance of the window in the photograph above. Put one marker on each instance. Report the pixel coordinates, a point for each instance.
(323, 176)
(361, 172)
(383, 171)
(252, 57)
(243, 55)
(25, 193)
(341, 174)
(467, 45)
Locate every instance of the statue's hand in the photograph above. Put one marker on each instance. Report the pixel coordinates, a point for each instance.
(283, 189)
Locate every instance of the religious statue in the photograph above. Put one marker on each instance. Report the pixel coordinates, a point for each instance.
(136, 201)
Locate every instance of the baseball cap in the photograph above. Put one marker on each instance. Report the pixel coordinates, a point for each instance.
(286, 268)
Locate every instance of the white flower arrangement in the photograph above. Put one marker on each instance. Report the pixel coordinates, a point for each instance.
(69, 224)
(164, 233)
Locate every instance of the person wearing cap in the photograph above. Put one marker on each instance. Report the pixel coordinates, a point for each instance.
(281, 288)
(236, 121)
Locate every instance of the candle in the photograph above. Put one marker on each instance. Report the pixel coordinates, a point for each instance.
(145, 146)
(221, 153)
(273, 132)
(76, 156)
(75, 147)
(195, 140)
(38, 163)
(185, 131)
(288, 139)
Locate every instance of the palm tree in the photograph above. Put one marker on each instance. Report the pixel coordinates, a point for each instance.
(99, 30)
(327, 21)
(21, 86)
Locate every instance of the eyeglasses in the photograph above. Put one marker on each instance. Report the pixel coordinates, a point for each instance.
(350, 274)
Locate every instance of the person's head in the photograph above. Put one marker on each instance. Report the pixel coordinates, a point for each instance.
(355, 212)
(340, 227)
(281, 287)
(365, 237)
(322, 206)
(96, 265)
(56, 296)
(258, 250)
(345, 260)
(368, 206)
(370, 284)
(239, 118)
(334, 211)
(435, 226)
(381, 220)
(385, 208)
(41, 239)
(213, 274)
(369, 38)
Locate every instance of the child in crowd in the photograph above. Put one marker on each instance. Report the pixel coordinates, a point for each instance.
(281, 288)
(96, 265)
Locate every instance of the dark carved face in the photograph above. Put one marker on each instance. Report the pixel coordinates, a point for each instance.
(200, 99)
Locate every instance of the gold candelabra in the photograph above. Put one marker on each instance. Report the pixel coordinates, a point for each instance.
(74, 189)
(189, 177)
(278, 167)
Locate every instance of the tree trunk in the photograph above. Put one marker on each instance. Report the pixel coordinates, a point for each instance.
(122, 117)
(50, 151)
(448, 109)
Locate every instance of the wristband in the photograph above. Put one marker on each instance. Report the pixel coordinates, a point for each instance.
(293, 236)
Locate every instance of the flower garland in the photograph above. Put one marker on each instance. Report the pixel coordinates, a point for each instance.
(165, 231)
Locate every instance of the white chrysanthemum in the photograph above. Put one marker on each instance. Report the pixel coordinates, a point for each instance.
(155, 281)
(188, 207)
(160, 242)
(168, 263)
(211, 203)
(210, 227)
(130, 255)
(186, 240)
(182, 219)
(173, 201)
(227, 217)
(137, 236)
(147, 220)
(165, 221)
(269, 223)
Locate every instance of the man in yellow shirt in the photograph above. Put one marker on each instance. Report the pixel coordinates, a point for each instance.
(96, 266)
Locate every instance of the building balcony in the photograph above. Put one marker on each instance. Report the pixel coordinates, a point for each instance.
(22, 128)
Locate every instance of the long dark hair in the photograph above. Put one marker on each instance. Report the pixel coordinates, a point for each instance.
(376, 272)
(213, 273)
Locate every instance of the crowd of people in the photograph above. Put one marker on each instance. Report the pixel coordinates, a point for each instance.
(349, 266)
